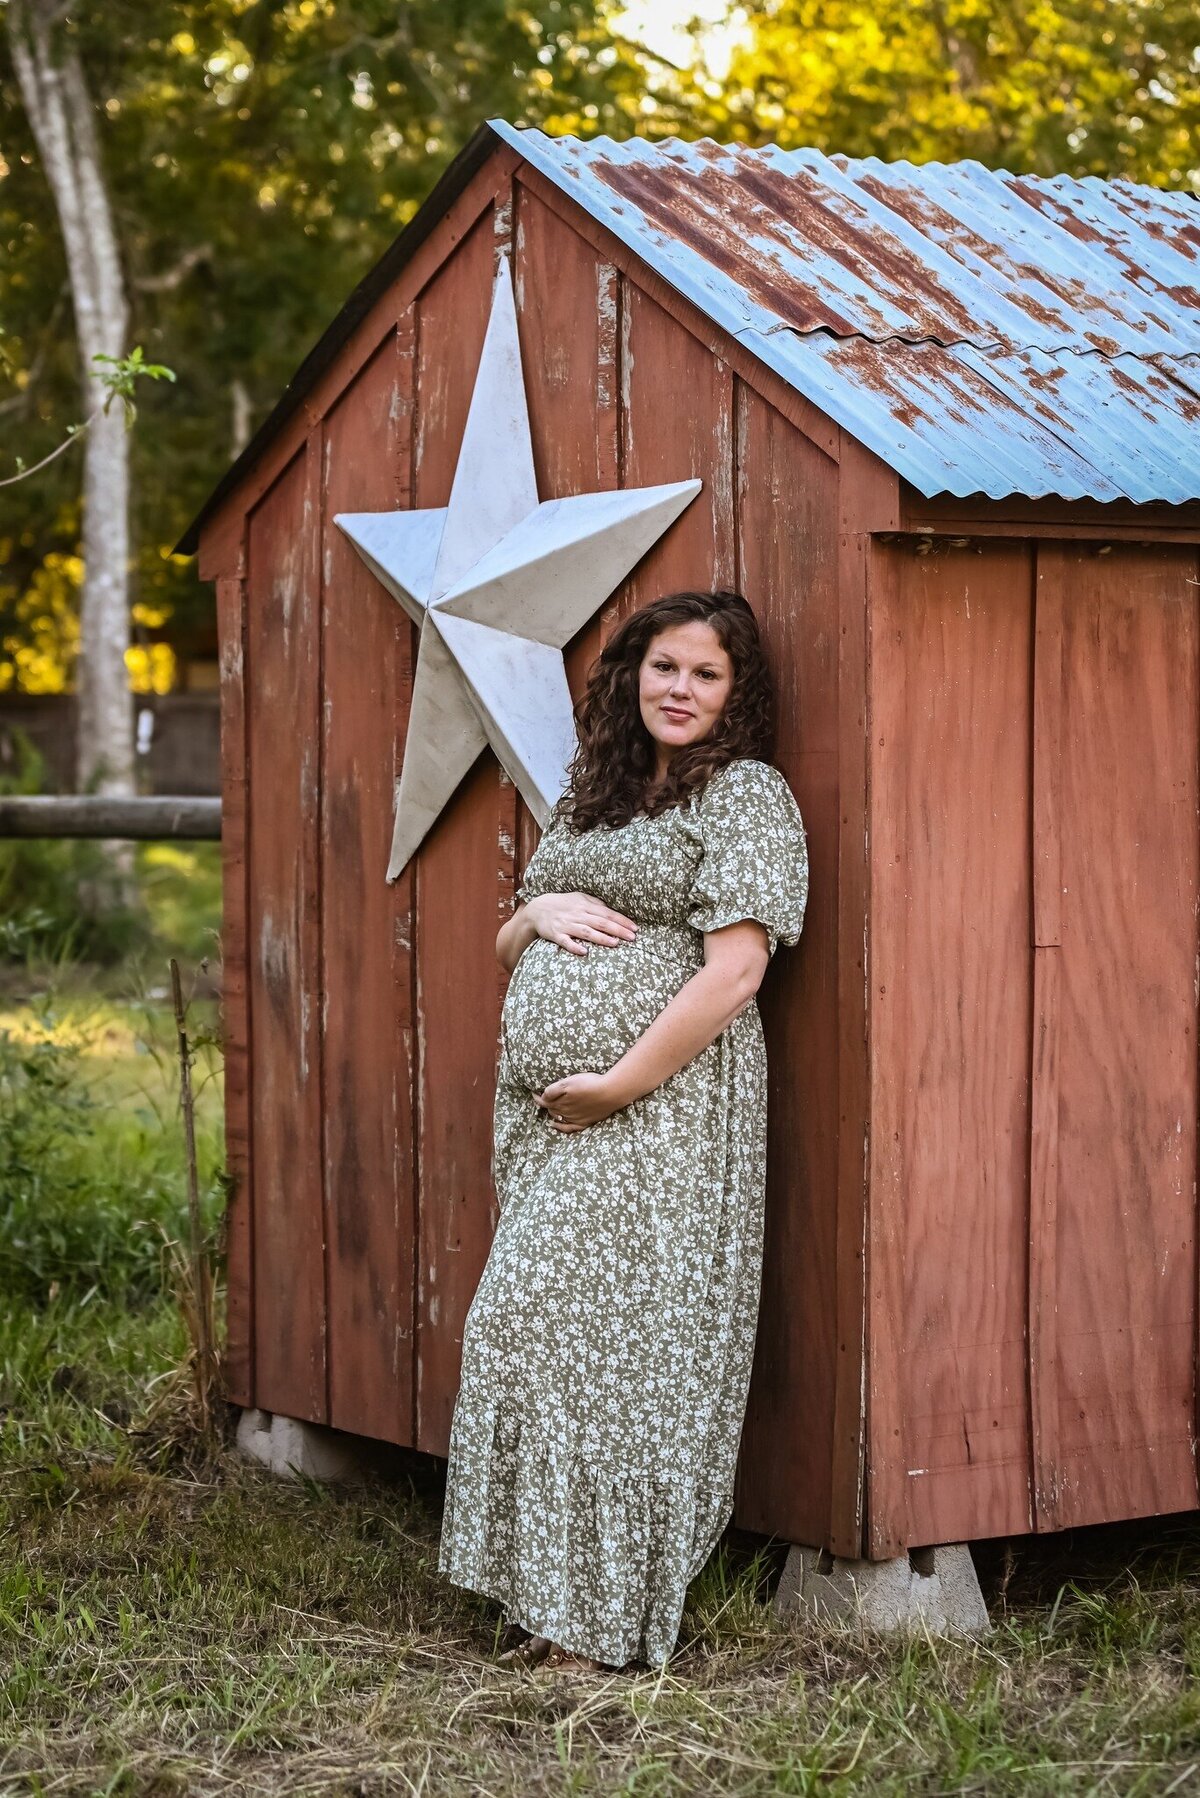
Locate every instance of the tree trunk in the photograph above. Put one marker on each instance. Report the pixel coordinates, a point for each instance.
(61, 116)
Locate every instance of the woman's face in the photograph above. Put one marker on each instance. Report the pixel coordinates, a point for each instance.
(685, 678)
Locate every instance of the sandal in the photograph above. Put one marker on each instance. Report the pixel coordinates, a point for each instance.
(567, 1658)
(526, 1653)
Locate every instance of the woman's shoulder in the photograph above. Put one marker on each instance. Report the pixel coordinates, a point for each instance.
(747, 777)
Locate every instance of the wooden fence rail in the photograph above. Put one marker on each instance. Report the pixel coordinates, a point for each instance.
(151, 819)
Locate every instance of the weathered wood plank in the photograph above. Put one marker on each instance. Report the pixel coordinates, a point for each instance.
(457, 1005)
(1125, 1294)
(677, 423)
(366, 1061)
(143, 818)
(1046, 937)
(949, 1036)
(1047, 748)
(283, 643)
(787, 558)
(1043, 1237)
(238, 1360)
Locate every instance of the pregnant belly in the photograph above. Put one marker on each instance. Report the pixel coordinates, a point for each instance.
(572, 1014)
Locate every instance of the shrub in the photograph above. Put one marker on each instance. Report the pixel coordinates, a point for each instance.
(84, 1183)
(59, 897)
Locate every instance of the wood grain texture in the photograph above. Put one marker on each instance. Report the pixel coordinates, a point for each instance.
(367, 658)
(1046, 938)
(568, 312)
(676, 412)
(1044, 1270)
(787, 556)
(1048, 747)
(1127, 1093)
(1050, 518)
(457, 1002)
(238, 1363)
(949, 1031)
(849, 1492)
(283, 678)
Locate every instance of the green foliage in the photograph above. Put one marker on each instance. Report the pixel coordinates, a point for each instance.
(118, 383)
(263, 155)
(180, 888)
(261, 158)
(88, 1187)
(1078, 87)
(58, 898)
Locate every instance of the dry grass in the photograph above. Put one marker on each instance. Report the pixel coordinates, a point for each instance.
(176, 1621)
(206, 1628)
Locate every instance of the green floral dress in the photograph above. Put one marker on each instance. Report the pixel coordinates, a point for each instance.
(607, 1350)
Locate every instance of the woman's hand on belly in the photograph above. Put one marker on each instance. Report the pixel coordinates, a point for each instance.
(573, 920)
(579, 1100)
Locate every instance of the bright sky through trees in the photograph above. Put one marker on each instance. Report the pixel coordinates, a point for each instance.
(686, 32)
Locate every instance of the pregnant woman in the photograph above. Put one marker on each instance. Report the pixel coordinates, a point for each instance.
(607, 1349)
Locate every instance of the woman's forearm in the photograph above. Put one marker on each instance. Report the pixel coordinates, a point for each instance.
(694, 1018)
(514, 938)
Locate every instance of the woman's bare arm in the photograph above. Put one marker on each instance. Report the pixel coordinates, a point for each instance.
(735, 960)
(514, 938)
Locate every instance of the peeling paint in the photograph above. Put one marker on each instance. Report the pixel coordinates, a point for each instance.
(606, 326)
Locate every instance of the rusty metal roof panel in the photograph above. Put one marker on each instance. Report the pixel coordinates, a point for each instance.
(983, 332)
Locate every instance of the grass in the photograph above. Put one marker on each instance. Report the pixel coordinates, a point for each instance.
(176, 1621)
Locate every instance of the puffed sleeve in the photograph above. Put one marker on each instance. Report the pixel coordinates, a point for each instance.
(754, 861)
(531, 886)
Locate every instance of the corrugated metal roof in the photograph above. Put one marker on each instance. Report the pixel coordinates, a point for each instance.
(982, 332)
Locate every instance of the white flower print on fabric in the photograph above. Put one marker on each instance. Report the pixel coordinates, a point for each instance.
(607, 1349)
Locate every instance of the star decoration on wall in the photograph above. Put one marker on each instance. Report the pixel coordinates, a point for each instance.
(497, 583)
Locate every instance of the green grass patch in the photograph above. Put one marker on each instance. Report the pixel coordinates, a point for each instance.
(175, 1622)
(92, 1176)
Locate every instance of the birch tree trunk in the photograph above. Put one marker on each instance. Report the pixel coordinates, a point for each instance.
(62, 119)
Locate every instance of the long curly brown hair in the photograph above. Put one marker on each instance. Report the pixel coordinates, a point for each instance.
(614, 761)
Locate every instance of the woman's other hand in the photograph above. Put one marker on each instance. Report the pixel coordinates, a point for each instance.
(573, 920)
(579, 1100)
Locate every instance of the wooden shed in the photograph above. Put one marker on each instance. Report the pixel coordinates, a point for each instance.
(946, 423)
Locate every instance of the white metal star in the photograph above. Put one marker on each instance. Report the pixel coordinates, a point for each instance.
(497, 582)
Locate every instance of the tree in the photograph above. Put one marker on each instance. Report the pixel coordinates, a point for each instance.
(59, 108)
(261, 155)
(1080, 87)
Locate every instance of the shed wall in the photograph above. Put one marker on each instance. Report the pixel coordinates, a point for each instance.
(372, 1018)
(1034, 894)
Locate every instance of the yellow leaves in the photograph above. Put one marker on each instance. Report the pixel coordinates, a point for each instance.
(183, 43)
(1045, 85)
(151, 667)
(39, 656)
(38, 653)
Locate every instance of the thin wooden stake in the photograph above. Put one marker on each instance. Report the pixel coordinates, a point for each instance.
(200, 1281)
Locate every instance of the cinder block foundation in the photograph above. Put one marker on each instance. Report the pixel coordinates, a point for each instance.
(291, 1447)
(935, 1588)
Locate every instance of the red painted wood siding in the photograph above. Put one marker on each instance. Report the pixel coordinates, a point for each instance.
(982, 1136)
(283, 644)
(1035, 879)
(378, 1213)
(366, 925)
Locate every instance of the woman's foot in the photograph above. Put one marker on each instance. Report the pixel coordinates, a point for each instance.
(520, 1649)
(526, 1650)
(565, 1658)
